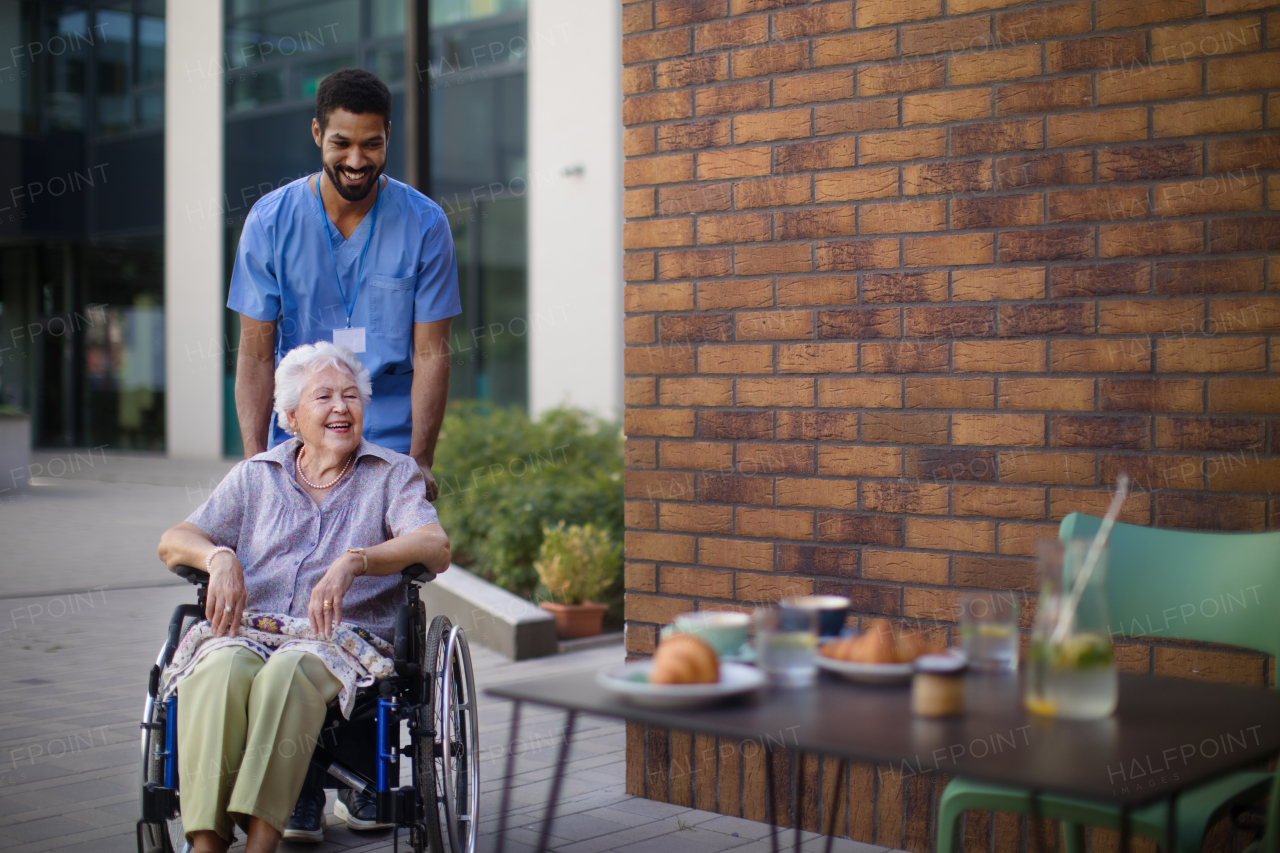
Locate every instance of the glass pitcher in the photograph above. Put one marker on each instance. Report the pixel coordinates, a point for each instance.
(1071, 672)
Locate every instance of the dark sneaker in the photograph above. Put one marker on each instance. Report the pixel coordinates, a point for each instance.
(307, 821)
(358, 809)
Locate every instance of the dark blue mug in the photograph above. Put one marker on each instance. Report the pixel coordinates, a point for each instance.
(831, 610)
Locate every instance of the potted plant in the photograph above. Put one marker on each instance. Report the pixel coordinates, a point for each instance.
(15, 448)
(577, 564)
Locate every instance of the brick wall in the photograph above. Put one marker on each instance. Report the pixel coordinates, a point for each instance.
(906, 284)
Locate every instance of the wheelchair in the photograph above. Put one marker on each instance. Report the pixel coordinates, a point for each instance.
(433, 690)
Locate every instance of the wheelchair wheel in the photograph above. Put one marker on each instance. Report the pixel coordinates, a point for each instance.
(446, 770)
(425, 776)
(164, 835)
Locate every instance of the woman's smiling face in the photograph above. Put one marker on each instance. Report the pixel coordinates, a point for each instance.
(330, 415)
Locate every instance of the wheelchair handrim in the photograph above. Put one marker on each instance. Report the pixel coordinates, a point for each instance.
(457, 652)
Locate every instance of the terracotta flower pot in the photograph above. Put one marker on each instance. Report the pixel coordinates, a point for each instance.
(576, 620)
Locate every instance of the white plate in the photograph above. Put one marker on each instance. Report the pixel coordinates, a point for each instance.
(866, 673)
(630, 681)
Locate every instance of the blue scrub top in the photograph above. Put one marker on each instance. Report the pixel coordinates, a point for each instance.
(283, 272)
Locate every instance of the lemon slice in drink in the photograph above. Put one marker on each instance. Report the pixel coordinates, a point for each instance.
(1043, 707)
(795, 641)
(1081, 651)
(990, 630)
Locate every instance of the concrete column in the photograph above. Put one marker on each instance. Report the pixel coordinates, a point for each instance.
(193, 229)
(575, 205)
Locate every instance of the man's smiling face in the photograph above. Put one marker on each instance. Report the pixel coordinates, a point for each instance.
(353, 149)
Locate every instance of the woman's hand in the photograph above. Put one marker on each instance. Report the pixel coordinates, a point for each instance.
(329, 591)
(226, 597)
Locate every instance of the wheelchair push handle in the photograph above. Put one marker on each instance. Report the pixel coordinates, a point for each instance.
(417, 573)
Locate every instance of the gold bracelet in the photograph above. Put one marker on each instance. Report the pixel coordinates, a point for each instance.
(364, 557)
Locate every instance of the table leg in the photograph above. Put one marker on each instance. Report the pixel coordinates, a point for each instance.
(513, 734)
(768, 800)
(830, 813)
(795, 800)
(1033, 812)
(1171, 826)
(1125, 835)
(562, 758)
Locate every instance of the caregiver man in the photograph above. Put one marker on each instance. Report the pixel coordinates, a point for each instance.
(355, 257)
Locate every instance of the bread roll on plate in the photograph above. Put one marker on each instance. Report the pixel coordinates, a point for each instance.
(684, 659)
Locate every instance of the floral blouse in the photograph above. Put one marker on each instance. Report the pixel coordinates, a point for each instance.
(286, 542)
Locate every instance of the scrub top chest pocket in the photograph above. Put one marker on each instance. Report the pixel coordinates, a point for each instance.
(391, 309)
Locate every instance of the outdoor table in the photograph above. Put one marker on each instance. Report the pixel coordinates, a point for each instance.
(1166, 736)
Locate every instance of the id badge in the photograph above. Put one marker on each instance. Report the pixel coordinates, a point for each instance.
(352, 339)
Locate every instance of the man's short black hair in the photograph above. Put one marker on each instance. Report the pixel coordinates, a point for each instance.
(354, 90)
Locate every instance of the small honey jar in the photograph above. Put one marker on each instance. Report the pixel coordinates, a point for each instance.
(937, 688)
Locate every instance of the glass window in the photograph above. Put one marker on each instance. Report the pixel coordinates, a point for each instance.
(386, 18)
(67, 80)
(387, 63)
(91, 370)
(92, 365)
(151, 109)
(300, 30)
(279, 51)
(114, 70)
(478, 137)
(445, 12)
(249, 89)
(477, 97)
(150, 49)
(310, 74)
(465, 54)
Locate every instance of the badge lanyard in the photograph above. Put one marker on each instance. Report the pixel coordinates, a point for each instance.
(328, 241)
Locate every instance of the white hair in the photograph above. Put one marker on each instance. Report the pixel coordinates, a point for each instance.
(292, 374)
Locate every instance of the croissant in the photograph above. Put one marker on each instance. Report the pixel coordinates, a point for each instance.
(879, 643)
(684, 659)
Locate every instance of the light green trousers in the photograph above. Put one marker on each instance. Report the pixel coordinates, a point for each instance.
(246, 731)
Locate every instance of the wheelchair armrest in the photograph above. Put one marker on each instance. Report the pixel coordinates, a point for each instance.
(417, 573)
(199, 577)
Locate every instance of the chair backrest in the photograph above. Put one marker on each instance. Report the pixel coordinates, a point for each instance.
(1190, 585)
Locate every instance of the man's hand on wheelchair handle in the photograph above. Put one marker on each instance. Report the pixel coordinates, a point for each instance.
(331, 588)
(433, 488)
(226, 597)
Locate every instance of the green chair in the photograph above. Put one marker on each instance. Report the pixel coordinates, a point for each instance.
(1270, 840)
(1151, 572)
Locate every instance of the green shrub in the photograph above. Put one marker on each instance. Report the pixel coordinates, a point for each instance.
(504, 478)
(578, 563)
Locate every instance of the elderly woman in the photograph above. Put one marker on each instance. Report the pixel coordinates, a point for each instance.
(304, 544)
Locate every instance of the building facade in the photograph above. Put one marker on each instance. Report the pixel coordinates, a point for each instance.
(133, 167)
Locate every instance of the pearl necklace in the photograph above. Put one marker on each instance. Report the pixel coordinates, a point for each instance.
(297, 467)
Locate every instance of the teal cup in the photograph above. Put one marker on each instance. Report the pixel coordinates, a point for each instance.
(725, 631)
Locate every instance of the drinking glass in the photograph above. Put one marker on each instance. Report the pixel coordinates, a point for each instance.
(989, 629)
(786, 639)
(1071, 671)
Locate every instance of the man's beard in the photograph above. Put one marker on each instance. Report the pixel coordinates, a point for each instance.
(359, 194)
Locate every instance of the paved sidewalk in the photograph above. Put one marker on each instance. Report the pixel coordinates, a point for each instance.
(73, 677)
